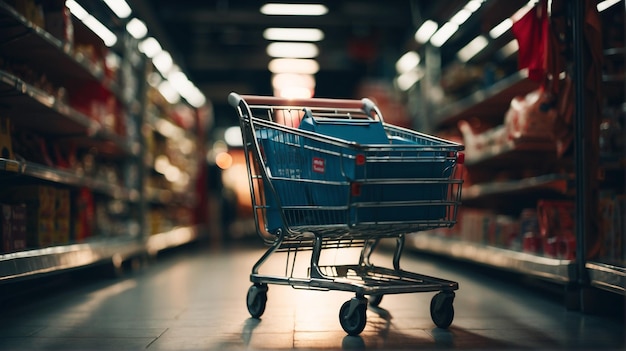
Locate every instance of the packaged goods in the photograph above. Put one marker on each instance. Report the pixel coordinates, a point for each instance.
(6, 148)
(556, 225)
(40, 202)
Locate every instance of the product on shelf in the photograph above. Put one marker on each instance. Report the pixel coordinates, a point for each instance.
(6, 147)
(529, 235)
(556, 225)
(31, 10)
(613, 227)
(13, 227)
(531, 117)
(99, 104)
(40, 202)
(83, 214)
(31, 147)
(62, 217)
(58, 22)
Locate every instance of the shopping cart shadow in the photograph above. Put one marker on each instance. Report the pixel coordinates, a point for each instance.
(248, 327)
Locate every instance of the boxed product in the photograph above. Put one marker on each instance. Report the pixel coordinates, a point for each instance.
(6, 149)
(40, 201)
(13, 227)
(62, 217)
(556, 225)
(59, 22)
(83, 214)
(5, 227)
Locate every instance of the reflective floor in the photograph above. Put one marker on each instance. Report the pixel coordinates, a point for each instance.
(194, 299)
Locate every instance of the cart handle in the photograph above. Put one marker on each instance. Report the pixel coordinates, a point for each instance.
(365, 104)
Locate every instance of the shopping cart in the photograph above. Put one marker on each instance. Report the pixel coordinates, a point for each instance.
(331, 174)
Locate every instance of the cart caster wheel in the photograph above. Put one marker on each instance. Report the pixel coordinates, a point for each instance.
(375, 300)
(441, 309)
(352, 316)
(256, 299)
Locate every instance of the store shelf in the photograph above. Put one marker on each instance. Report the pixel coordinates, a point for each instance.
(562, 271)
(487, 104)
(53, 259)
(43, 113)
(169, 197)
(515, 153)
(172, 238)
(33, 46)
(553, 183)
(608, 277)
(71, 178)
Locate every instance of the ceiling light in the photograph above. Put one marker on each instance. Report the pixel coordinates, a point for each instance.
(473, 5)
(509, 49)
(119, 7)
(101, 30)
(179, 80)
(523, 10)
(292, 65)
(292, 50)
(293, 34)
(472, 48)
(294, 9)
(443, 34)
(501, 28)
(194, 96)
(294, 93)
(291, 86)
(282, 80)
(150, 47)
(136, 28)
(77, 10)
(407, 62)
(169, 93)
(461, 16)
(407, 79)
(426, 31)
(606, 4)
(163, 62)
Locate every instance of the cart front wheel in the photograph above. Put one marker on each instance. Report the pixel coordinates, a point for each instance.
(353, 318)
(441, 309)
(256, 299)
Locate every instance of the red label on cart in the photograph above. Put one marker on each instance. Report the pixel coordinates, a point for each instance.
(319, 165)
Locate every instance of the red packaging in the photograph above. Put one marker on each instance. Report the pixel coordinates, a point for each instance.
(556, 226)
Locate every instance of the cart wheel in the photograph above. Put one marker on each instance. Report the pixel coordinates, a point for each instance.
(441, 309)
(256, 300)
(375, 300)
(353, 323)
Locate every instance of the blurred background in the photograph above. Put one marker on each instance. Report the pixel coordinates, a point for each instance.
(118, 141)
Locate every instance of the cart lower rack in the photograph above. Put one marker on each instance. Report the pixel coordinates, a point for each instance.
(330, 174)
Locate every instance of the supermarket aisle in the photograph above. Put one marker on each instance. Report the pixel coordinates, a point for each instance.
(194, 300)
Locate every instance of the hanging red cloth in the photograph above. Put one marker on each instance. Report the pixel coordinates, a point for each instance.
(531, 32)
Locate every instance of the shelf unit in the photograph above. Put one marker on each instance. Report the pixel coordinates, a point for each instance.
(558, 270)
(48, 113)
(490, 105)
(609, 273)
(490, 102)
(487, 191)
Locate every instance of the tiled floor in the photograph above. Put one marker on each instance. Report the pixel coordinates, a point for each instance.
(194, 299)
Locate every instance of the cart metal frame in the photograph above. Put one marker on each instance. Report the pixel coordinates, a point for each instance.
(258, 117)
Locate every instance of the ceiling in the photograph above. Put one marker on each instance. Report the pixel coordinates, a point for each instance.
(219, 43)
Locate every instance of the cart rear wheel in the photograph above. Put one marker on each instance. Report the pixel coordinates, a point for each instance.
(353, 323)
(375, 300)
(441, 309)
(256, 300)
